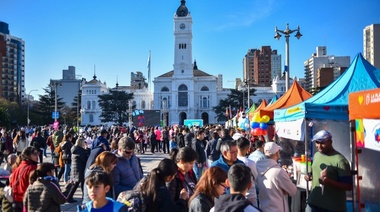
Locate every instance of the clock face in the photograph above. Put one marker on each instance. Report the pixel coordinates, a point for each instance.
(182, 26)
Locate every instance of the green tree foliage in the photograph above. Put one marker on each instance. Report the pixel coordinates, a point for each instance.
(76, 107)
(115, 106)
(46, 106)
(11, 113)
(235, 100)
(5, 119)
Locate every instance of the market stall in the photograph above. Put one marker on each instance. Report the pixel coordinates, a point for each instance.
(328, 109)
(364, 113)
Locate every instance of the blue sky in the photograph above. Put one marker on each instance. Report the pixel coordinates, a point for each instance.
(116, 36)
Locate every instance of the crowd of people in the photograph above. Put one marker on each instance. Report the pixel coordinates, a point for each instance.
(207, 168)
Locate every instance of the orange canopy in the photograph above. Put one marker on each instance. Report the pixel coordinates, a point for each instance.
(262, 105)
(296, 94)
(364, 104)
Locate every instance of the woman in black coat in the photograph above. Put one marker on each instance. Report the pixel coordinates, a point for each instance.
(79, 157)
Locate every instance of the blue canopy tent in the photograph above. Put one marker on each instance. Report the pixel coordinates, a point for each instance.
(328, 109)
(332, 102)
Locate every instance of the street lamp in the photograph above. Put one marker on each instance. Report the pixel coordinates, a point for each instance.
(27, 109)
(287, 33)
(55, 84)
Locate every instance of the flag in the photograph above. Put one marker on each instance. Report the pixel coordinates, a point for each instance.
(230, 112)
(148, 67)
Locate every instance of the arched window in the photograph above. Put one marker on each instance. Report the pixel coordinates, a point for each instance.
(93, 105)
(182, 96)
(91, 118)
(204, 102)
(88, 105)
(164, 89)
(204, 88)
(142, 104)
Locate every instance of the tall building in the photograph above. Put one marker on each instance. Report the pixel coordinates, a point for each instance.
(261, 66)
(186, 92)
(318, 60)
(371, 44)
(12, 65)
(68, 87)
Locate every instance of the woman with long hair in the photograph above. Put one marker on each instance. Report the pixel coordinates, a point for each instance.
(212, 184)
(20, 141)
(105, 161)
(156, 193)
(43, 193)
(185, 178)
(19, 180)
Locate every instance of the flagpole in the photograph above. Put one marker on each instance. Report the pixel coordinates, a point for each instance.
(148, 66)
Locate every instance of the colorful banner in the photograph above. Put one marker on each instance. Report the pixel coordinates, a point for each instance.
(372, 134)
(291, 129)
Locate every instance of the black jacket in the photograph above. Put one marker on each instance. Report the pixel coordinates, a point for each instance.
(199, 147)
(165, 203)
(231, 202)
(78, 163)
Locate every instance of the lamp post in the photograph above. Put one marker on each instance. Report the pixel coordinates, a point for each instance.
(287, 33)
(55, 84)
(27, 109)
(242, 89)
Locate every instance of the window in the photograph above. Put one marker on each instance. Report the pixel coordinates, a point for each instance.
(204, 102)
(143, 104)
(182, 96)
(93, 105)
(88, 105)
(91, 118)
(164, 89)
(204, 88)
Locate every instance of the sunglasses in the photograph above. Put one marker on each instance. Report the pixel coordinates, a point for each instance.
(224, 186)
(128, 152)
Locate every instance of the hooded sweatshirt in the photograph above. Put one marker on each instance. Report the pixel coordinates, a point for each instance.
(232, 202)
(274, 186)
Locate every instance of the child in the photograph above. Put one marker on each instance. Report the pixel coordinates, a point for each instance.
(98, 184)
(239, 181)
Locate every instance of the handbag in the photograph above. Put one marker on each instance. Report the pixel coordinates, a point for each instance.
(67, 188)
(8, 194)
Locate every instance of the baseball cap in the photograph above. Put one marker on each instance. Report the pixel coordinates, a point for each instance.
(322, 136)
(271, 148)
(126, 143)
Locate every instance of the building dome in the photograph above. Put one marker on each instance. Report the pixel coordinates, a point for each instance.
(182, 10)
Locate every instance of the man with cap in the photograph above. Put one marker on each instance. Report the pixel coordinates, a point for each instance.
(331, 176)
(127, 172)
(273, 182)
(102, 139)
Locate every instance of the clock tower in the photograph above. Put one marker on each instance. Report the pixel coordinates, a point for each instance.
(183, 35)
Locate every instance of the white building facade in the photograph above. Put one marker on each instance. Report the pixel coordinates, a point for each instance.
(91, 110)
(186, 92)
(320, 59)
(371, 44)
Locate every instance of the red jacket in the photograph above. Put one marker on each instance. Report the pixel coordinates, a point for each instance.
(21, 175)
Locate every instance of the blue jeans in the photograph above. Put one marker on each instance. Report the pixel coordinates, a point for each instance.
(198, 170)
(67, 172)
(313, 208)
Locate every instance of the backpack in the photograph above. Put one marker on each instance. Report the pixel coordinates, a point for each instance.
(134, 199)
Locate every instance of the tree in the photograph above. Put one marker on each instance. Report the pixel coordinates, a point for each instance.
(46, 105)
(235, 100)
(76, 107)
(115, 106)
